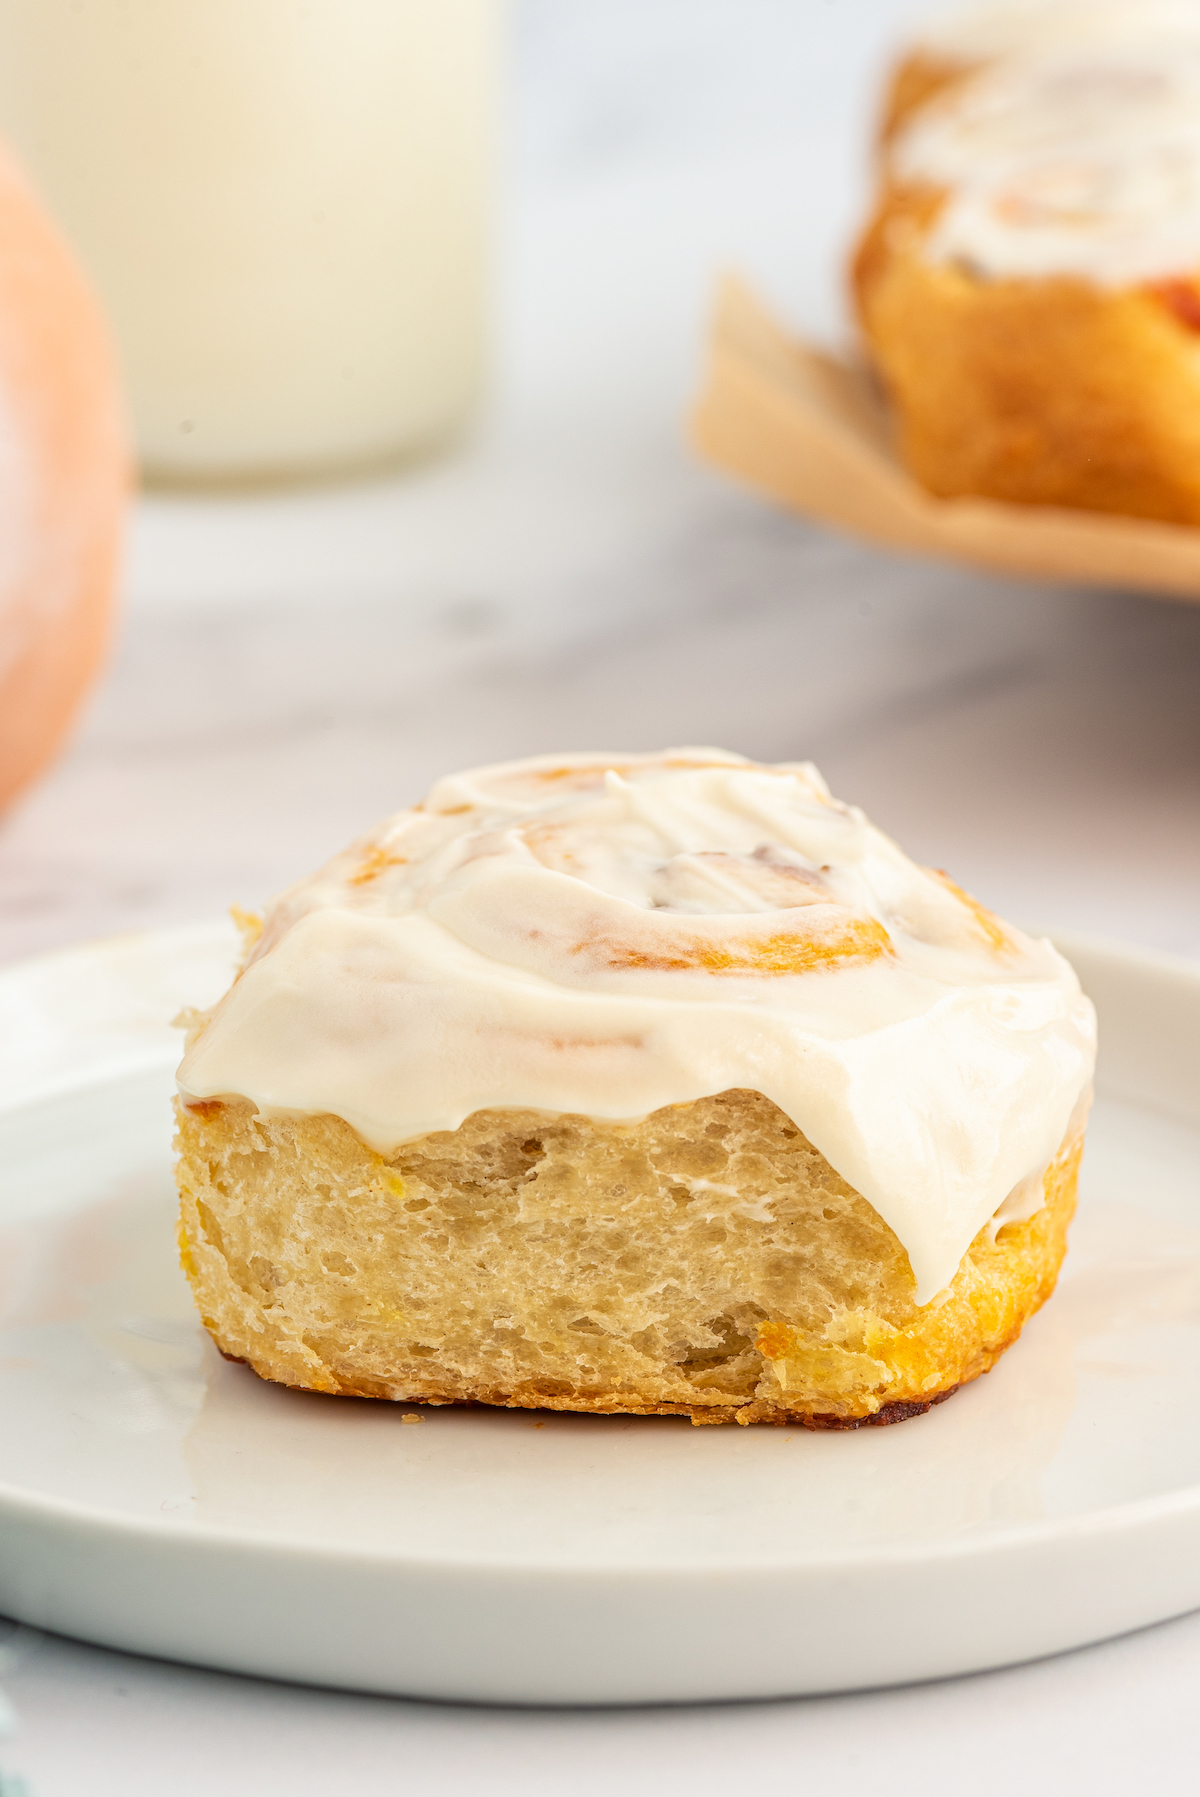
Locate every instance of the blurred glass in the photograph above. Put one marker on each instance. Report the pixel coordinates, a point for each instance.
(283, 206)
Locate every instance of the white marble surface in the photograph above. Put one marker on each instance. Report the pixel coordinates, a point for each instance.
(291, 667)
(1112, 1721)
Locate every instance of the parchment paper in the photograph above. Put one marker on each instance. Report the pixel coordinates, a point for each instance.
(813, 431)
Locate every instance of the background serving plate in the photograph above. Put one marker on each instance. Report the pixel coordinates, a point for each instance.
(814, 431)
(154, 1498)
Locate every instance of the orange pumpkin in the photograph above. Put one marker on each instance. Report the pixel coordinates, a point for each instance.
(64, 480)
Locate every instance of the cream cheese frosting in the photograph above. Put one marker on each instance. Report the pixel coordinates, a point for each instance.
(1076, 153)
(606, 935)
(974, 34)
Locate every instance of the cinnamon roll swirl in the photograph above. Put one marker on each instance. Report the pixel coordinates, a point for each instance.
(657, 1083)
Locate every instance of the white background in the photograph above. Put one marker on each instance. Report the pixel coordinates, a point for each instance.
(291, 667)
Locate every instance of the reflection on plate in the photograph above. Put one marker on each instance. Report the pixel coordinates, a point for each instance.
(154, 1497)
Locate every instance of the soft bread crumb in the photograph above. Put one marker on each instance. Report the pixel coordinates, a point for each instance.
(707, 1261)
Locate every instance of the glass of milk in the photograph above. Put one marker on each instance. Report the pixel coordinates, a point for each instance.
(284, 207)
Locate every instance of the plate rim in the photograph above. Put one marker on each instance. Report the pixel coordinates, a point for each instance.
(1139, 1535)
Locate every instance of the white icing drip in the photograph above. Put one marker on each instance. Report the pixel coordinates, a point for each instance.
(1082, 161)
(605, 936)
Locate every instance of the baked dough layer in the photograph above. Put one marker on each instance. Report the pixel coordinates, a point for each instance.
(1041, 392)
(706, 1261)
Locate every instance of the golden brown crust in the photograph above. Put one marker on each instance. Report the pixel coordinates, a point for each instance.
(707, 1262)
(917, 79)
(1039, 392)
(616, 1404)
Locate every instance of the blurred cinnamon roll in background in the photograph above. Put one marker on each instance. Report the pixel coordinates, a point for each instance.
(1029, 284)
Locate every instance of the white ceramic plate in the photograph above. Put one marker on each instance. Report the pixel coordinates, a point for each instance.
(153, 1497)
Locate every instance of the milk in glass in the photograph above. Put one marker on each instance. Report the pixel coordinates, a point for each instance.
(283, 206)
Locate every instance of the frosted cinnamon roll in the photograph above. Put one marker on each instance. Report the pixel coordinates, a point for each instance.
(1028, 284)
(657, 1083)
